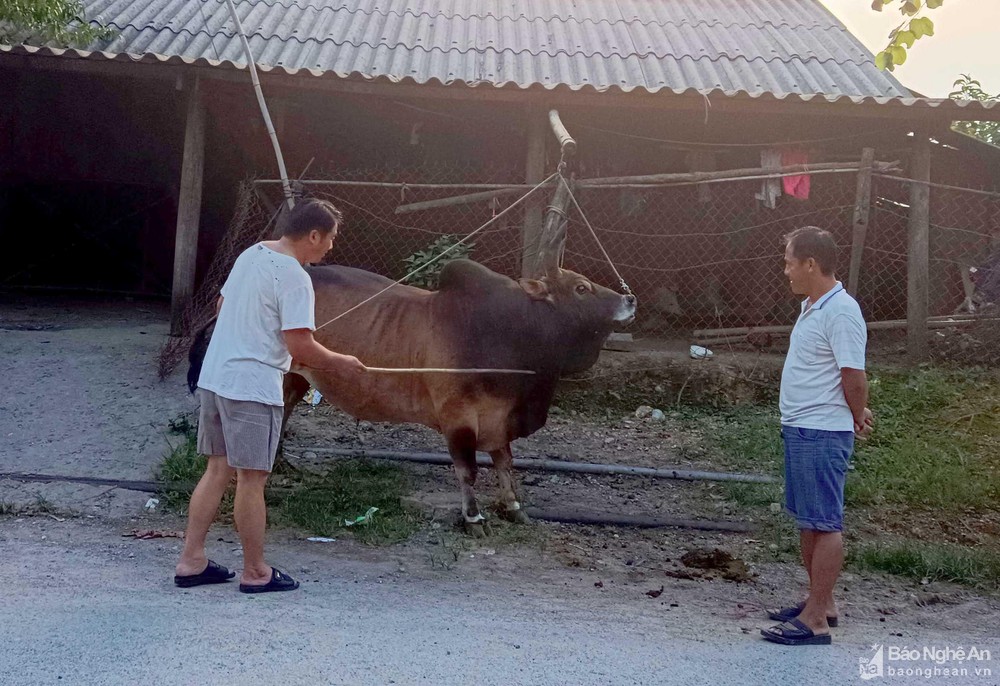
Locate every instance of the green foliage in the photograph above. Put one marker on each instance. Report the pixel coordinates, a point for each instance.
(40, 22)
(443, 245)
(903, 37)
(315, 503)
(183, 467)
(935, 443)
(935, 449)
(319, 504)
(979, 568)
(968, 88)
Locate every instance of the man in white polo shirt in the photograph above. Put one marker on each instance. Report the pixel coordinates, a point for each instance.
(824, 396)
(266, 318)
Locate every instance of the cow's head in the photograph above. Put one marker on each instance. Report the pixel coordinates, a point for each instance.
(585, 313)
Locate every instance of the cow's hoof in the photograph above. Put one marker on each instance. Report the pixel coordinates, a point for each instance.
(514, 516)
(478, 529)
(519, 517)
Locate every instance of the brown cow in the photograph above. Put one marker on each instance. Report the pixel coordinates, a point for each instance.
(477, 319)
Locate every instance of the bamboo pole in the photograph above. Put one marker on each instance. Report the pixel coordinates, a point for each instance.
(649, 180)
(553, 238)
(728, 174)
(441, 370)
(482, 196)
(251, 65)
(567, 145)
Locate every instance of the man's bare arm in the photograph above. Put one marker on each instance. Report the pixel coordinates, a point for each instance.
(306, 351)
(855, 383)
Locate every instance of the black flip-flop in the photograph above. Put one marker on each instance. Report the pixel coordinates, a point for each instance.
(788, 613)
(795, 633)
(212, 574)
(279, 582)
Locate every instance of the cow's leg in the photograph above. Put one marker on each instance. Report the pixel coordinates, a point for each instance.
(503, 462)
(462, 446)
(294, 389)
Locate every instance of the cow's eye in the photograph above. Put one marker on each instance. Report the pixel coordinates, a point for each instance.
(582, 288)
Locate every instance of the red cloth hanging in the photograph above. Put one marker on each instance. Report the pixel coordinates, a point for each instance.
(795, 186)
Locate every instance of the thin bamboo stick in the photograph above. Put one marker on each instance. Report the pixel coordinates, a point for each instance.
(442, 370)
(263, 105)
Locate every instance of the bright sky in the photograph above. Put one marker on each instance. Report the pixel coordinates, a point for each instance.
(966, 40)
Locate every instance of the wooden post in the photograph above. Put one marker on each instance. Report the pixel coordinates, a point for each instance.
(919, 247)
(862, 208)
(188, 209)
(534, 172)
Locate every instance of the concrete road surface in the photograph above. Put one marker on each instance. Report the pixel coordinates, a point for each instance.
(81, 605)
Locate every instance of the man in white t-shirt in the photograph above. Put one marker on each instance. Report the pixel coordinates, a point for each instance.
(824, 396)
(266, 317)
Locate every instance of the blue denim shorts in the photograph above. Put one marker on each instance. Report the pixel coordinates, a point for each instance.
(815, 469)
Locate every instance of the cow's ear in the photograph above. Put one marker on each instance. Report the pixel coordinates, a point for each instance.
(536, 290)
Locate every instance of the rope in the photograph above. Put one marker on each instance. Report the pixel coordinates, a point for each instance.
(445, 252)
(621, 281)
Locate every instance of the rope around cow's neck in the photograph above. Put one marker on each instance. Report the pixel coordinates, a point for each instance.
(445, 252)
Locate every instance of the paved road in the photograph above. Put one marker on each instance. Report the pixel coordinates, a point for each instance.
(84, 606)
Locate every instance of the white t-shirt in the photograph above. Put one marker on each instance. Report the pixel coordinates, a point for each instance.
(827, 337)
(266, 293)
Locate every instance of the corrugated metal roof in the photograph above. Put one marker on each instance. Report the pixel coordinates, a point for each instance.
(777, 47)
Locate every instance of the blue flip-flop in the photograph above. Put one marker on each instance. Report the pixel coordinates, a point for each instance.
(795, 633)
(212, 574)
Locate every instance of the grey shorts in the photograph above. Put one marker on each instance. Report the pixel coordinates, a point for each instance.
(245, 432)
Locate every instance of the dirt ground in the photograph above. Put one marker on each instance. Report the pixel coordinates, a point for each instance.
(81, 396)
(84, 400)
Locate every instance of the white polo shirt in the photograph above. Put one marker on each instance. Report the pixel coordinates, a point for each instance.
(266, 293)
(827, 337)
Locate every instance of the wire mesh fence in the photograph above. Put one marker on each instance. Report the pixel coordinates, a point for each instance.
(698, 256)
(963, 267)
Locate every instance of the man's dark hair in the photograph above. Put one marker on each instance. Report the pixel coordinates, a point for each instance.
(814, 242)
(311, 214)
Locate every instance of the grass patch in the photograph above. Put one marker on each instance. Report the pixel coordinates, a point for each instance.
(316, 503)
(180, 472)
(936, 446)
(320, 504)
(972, 567)
(936, 443)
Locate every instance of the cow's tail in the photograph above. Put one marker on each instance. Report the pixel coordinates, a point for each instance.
(196, 355)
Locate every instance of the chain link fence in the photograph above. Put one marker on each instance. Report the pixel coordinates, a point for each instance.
(963, 268)
(701, 258)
